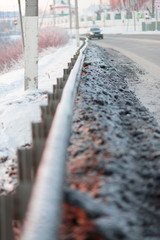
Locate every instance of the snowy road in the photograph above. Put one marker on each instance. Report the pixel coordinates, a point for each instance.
(143, 49)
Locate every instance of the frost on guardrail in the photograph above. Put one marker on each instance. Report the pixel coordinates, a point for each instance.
(14, 206)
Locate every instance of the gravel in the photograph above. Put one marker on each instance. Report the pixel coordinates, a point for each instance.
(113, 165)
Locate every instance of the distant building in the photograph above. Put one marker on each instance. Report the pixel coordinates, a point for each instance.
(105, 2)
(61, 8)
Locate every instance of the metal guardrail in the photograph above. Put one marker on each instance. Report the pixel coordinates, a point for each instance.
(42, 167)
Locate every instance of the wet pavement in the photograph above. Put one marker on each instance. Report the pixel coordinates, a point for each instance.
(113, 169)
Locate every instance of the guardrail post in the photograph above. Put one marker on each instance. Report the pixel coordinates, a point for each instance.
(60, 83)
(6, 212)
(20, 201)
(38, 147)
(39, 133)
(70, 67)
(65, 74)
(57, 92)
(25, 165)
(38, 130)
(73, 60)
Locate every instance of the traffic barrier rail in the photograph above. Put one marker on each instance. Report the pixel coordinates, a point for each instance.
(37, 201)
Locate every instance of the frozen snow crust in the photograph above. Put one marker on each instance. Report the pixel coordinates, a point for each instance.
(112, 183)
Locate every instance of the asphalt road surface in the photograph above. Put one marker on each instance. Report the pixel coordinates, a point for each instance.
(144, 50)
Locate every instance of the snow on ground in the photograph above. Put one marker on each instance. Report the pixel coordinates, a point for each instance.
(19, 108)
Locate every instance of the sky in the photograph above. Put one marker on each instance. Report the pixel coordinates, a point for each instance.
(12, 5)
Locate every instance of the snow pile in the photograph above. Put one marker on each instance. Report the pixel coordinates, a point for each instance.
(19, 108)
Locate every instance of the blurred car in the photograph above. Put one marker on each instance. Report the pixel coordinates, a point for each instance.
(95, 32)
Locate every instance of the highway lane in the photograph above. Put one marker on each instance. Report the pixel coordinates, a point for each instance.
(141, 48)
(145, 51)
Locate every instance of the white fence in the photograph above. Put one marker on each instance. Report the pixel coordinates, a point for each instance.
(112, 21)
